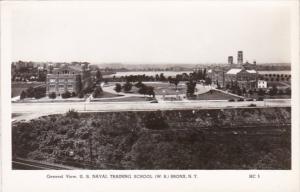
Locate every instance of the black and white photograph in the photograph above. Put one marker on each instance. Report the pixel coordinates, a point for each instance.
(151, 85)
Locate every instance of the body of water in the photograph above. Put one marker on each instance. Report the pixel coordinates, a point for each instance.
(174, 73)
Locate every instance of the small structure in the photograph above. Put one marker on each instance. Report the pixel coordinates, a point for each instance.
(262, 84)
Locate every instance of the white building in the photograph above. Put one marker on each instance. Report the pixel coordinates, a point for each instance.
(262, 84)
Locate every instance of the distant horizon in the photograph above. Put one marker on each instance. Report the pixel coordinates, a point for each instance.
(146, 63)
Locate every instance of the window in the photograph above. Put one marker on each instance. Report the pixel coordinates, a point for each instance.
(61, 80)
(52, 80)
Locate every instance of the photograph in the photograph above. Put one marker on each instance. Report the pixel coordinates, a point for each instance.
(162, 85)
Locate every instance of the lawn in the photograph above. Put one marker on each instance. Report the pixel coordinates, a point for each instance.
(123, 99)
(215, 95)
(108, 95)
(18, 87)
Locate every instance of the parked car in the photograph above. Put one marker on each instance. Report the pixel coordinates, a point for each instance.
(250, 99)
(240, 99)
(252, 105)
(231, 100)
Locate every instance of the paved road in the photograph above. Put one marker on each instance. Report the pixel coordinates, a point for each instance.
(33, 110)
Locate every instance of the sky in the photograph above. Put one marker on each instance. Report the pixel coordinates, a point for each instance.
(150, 32)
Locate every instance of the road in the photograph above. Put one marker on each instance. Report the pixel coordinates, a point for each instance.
(28, 111)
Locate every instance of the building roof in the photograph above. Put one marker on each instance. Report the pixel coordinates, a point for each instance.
(251, 71)
(233, 71)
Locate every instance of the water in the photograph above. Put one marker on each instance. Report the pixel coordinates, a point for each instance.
(174, 73)
(148, 73)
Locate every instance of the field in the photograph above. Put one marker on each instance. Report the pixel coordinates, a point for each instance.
(17, 87)
(123, 99)
(247, 138)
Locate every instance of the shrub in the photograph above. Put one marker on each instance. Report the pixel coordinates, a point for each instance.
(118, 87)
(97, 92)
(66, 95)
(72, 114)
(52, 95)
(23, 95)
(80, 94)
(260, 99)
(155, 121)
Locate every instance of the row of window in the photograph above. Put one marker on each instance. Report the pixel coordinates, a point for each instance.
(60, 86)
(61, 80)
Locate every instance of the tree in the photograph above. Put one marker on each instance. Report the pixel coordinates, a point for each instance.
(150, 91)
(118, 87)
(30, 92)
(127, 86)
(97, 92)
(176, 82)
(52, 95)
(288, 91)
(261, 92)
(139, 84)
(191, 85)
(273, 90)
(23, 95)
(98, 76)
(207, 81)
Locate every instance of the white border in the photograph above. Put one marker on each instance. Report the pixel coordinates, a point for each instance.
(231, 180)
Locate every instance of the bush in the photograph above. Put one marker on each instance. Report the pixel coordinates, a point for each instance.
(118, 87)
(66, 95)
(97, 92)
(260, 99)
(80, 94)
(155, 121)
(231, 100)
(240, 99)
(72, 114)
(52, 95)
(252, 105)
(23, 95)
(73, 94)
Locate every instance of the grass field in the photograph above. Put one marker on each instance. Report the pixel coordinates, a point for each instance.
(123, 99)
(18, 87)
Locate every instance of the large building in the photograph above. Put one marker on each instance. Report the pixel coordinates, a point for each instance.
(68, 78)
(242, 74)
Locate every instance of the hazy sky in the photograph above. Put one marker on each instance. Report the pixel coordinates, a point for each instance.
(150, 32)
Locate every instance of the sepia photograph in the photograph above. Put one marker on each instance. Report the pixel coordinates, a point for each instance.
(151, 86)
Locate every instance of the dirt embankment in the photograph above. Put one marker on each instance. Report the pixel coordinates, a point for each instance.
(246, 138)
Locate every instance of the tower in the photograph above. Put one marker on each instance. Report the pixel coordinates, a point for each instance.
(230, 60)
(240, 57)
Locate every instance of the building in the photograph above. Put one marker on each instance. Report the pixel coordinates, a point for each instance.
(241, 77)
(68, 78)
(230, 60)
(262, 84)
(240, 58)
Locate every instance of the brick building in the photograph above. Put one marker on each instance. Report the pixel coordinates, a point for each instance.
(68, 78)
